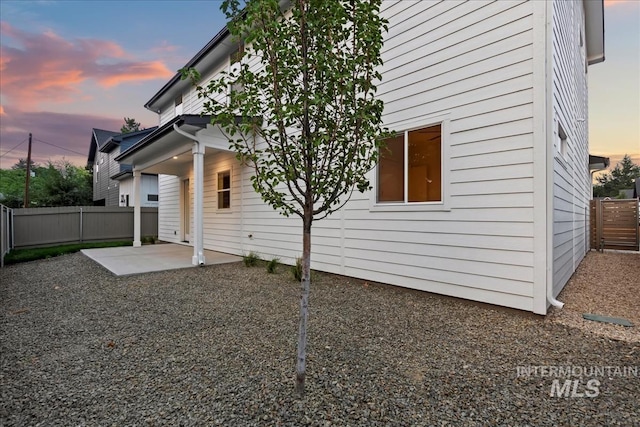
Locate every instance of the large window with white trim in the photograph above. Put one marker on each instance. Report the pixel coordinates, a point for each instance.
(410, 167)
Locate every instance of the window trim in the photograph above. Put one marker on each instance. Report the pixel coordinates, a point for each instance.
(218, 190)
(443, 205)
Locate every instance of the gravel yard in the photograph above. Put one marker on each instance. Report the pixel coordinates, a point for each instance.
(216, 346)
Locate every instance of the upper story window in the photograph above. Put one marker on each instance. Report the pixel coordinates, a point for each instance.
(178, 104)
(237, 54)
(410, 167)
(224, 190)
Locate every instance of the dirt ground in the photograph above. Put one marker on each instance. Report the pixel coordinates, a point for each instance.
(606, 283)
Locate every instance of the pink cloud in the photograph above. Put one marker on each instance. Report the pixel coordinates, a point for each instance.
(72, 132)
(46, 67)
(608, 3)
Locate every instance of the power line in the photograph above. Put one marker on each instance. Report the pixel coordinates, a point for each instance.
(57, 146)
(23, 141)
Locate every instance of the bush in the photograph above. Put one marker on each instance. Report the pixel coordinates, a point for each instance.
(251, 259)
(296, 269)
(148, 240)
(273, 265)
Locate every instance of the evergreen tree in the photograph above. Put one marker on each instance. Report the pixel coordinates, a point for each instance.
(622, 177)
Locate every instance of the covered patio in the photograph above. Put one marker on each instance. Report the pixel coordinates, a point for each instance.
(178, 148)
(127, 260)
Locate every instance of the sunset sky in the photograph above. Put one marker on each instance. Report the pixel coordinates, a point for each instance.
(69, 66)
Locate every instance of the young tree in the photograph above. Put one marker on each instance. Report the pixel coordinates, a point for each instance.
(130, 125)
(621, 177)
(307, 121)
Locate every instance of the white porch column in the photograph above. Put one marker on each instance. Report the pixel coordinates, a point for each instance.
(198, 201)
(137, 189)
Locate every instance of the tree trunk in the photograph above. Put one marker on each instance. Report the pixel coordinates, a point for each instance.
(304, 305)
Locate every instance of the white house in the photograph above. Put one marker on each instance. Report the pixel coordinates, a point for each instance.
(495, 93)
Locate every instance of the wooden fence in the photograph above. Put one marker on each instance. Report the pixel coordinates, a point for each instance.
(614, 224)
(39, 227)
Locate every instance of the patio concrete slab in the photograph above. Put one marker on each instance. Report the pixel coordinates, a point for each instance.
(126, 260)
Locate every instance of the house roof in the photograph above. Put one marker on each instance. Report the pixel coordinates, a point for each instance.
(597, 163)
(98, 138)
(203, 60)
(116, 140)
(594, 30)
(190, 120)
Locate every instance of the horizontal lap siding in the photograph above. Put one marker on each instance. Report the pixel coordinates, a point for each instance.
(472, 61)
(169, 208)
(222, 227)
(572, 189)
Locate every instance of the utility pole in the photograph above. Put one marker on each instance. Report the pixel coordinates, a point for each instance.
(26, 184)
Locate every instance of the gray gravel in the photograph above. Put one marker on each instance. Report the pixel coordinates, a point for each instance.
(216, 346)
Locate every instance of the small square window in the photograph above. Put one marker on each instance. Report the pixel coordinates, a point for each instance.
(152, 197)
(224, 190)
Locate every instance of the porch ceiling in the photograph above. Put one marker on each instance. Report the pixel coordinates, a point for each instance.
(165, 150)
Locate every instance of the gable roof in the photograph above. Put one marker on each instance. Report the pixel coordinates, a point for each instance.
(194, 121)
(201, 61)
(116, 140)
(98, 138)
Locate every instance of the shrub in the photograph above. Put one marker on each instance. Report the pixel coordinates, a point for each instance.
(296, 269)
(272, 265)
(251, 259)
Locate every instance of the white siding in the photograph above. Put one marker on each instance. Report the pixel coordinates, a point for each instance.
(571, 172)
(126, 189)
(149, 185)
(471, 63)
(169, 208)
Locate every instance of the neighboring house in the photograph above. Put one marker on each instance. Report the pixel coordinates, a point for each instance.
(498, 90)
(112, 180)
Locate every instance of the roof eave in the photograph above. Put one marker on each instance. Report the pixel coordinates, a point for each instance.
(204, 52)
(594, 30)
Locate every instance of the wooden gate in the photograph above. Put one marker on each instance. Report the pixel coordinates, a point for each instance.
(614, 224)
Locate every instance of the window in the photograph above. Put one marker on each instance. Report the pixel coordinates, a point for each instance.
(563, 144)
(152, 197)
(410, 167)
(237, 54)
(224, 190)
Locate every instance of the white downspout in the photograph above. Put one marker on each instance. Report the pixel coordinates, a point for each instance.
(198, 202)
(549, 129)
(137, 203)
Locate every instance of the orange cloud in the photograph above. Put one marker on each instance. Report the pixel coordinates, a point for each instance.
(47, 68)
(2, 113)
(608, 3)
(135, 72)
